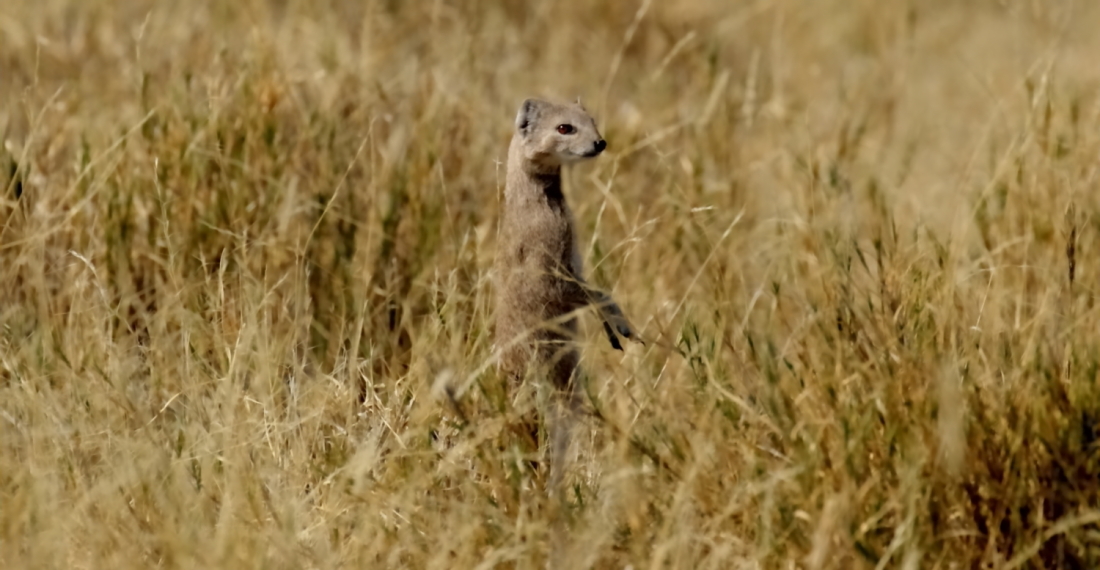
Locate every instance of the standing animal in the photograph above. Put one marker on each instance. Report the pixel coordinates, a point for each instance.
(540, 283)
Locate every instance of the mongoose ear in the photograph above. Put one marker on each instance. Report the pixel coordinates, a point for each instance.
(528, 111)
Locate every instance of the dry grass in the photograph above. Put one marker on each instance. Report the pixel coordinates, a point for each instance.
(245, 251)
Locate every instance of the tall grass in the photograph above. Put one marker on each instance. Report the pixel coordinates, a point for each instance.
(245, 286)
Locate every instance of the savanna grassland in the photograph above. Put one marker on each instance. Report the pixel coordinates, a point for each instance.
(246, 285)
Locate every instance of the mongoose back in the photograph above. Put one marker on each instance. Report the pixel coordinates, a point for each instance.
(540, 280)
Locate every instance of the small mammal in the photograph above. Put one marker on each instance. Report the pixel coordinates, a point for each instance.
(540, 281)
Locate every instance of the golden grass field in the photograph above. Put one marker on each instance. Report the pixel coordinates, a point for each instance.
(246, 252)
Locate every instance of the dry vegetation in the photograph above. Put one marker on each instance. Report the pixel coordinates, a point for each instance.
(245, 253)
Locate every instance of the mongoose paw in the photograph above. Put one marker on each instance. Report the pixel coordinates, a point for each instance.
(623, 329)
(611, 336)
(616, 325)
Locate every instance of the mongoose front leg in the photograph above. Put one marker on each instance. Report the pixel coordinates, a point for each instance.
(615, 324)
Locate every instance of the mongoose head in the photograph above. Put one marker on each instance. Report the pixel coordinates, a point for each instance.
(553, 135)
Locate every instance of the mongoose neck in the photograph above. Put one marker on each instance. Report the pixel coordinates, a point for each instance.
(549, 183)
(528, 180)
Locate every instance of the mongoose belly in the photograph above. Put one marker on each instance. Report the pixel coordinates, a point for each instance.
(534, 323)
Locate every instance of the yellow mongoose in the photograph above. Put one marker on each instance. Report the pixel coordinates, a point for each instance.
(540, 282)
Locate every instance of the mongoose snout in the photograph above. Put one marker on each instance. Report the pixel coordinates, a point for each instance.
(597, 148)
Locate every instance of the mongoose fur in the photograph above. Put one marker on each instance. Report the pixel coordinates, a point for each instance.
(540, 280)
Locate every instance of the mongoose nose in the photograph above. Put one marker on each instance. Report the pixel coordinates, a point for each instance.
(600, 145)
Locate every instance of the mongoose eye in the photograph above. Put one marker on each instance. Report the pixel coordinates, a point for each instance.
(566, 129)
